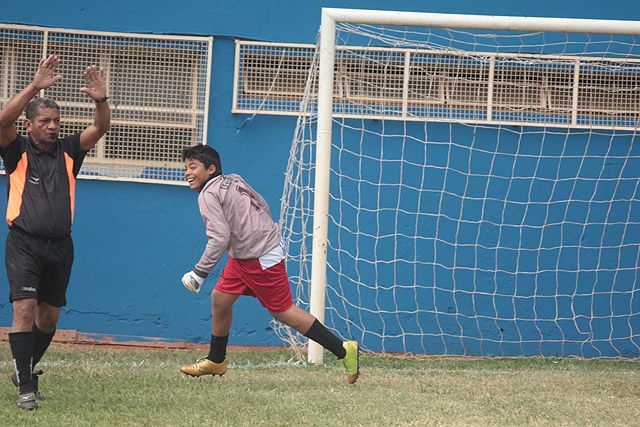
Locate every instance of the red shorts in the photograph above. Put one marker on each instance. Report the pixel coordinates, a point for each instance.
(246, 277)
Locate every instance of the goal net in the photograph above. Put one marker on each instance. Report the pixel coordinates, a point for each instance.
(481, 189)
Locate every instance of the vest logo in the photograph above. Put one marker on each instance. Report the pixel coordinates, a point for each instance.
(34, 180)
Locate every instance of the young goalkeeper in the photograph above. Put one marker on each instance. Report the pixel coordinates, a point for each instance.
(238, 219)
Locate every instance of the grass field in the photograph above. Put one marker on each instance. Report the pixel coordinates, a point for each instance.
(97, 386)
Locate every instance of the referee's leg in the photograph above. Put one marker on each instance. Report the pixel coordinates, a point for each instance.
(24, 314)
(44, 329)
(21, 343)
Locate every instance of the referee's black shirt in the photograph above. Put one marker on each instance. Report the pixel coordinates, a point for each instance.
(41, 185)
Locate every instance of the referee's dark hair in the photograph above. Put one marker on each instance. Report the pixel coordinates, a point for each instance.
(39, 102)
(207, 155)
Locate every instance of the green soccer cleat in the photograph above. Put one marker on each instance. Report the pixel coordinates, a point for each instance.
(351, 361)
(205, 366)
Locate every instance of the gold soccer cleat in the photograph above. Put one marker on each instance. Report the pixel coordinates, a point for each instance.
(205, 366)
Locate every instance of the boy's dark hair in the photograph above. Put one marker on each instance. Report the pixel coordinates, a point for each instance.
(207, 155)
(39, 102)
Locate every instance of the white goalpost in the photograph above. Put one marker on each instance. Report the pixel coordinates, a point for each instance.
(473, 182)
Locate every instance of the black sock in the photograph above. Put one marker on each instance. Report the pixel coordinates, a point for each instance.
(21, 344)
(218, 348)
(320, 334)
(41, 341)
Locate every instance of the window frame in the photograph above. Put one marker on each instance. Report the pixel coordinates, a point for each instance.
(143, 157)
(489, 89)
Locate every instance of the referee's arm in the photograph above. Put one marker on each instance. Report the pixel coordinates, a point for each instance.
(101, 122)
(12, 111)
(44, 77)
(96, 88)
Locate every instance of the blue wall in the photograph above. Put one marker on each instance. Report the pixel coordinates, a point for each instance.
(528, 241)
(134, 241)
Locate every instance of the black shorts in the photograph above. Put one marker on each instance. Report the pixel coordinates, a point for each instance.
(38, 268)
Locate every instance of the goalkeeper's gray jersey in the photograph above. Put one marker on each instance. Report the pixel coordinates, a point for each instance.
(237, 219)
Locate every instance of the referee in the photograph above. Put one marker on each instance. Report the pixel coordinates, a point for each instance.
(41, 170)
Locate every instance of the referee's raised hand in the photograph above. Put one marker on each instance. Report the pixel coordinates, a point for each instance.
(94, 83)
(45, 75)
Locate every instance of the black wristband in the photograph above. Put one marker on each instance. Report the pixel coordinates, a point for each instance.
(101, 100)
(200, 274)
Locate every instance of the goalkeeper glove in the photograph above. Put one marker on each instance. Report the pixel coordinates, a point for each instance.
(192, 281)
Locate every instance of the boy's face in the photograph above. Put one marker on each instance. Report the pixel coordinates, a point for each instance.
(196, 174)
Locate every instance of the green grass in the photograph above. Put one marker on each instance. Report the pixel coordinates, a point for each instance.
(97, 386)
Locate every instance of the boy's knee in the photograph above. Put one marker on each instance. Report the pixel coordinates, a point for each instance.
(221, 301)
(294, 317)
